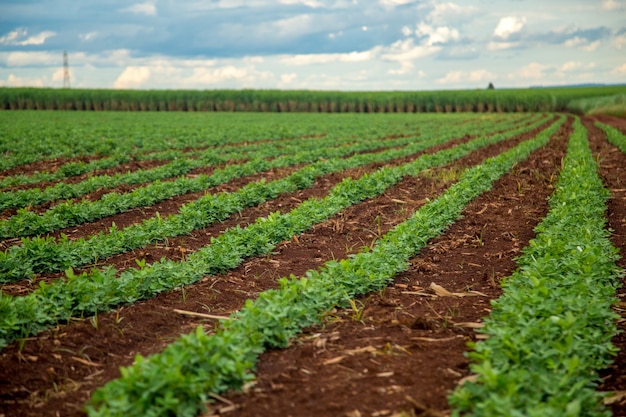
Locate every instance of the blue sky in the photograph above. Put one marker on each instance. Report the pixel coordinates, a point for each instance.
(312, 44)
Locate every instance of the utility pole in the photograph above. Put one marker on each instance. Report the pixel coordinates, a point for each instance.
(66, 71)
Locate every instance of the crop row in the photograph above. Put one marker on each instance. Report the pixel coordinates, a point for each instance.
(26, 222)
(549, 333)
(182, 164)
(48, 255)
(27, 137)
(89, 293)
(614, 136)
(179, 166)
(178, 380)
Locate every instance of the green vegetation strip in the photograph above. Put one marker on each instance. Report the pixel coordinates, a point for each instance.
(178, 380)
(550, 332)
(89, 293)
(614, 136)
(179, 166)
(27, 223)
(38, 254)
(182, 163)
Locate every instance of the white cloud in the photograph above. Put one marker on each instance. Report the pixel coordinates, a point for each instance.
(314, 4)
(87, 36)
(462, 77)
(132, 77)
(444, 14)
(15, 81)
(288, 78)
(592, 46)
(621, 70)
(534, 71)
(147, 8)
(577, 65)
(438, 35)
(16, 37)
(313, 59)
(612, 5)
(574, 42)
(11, 37)
(394, 3)
(499, 46)
(23, 59)
(405, 52)
(508, 26)
(619, 41)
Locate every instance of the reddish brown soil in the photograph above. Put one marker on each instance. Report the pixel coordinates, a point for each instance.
(400, 351)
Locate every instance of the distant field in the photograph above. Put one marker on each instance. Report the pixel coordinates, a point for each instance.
(506, 100)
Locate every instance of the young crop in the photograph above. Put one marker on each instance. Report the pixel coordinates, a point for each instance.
(178, 380)
(550, 332)
(47, 255)
(87, 294)
(614, 136)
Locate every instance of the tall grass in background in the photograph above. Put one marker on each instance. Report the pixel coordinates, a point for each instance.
(448, 101)
(614, 105)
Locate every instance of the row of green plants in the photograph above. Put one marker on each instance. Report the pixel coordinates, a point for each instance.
(100, 290)
(30, 136)
(177, 167)
(40, 254)
(179, 380)
(505, 100)
(182, 163)
(69, 213)
(203, 152)
(550, 332)
(614, 136)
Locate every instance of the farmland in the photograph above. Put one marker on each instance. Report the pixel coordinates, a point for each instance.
(312, 264)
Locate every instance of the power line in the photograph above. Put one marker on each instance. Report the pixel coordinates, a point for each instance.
(66, 71)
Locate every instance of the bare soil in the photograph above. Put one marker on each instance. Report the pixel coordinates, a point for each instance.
(399, 350)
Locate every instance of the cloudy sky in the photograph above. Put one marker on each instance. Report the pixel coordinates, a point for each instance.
(312, 44)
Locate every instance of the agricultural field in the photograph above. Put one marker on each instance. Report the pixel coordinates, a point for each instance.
(312, 264)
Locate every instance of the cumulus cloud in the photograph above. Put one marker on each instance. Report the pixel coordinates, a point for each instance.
(314, 4)
(405, 52)
(31, 58)
(508, 26)
(533, 71)
(619, 41)
(88, 36)
(612, 5)
(621, 70)
(462, 77)
(314, 59)
(436, 35)
(450, 13)
(500, 46)
(288, 78)
(15, 81)
(582, 43)
(570, 66)
(132, 77)
(393, 3)
(147, 8)
(20, 37)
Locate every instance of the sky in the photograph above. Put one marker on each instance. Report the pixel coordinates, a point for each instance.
(312, 44)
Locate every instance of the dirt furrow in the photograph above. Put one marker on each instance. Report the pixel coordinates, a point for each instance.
(57, 370)
(402, 349)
